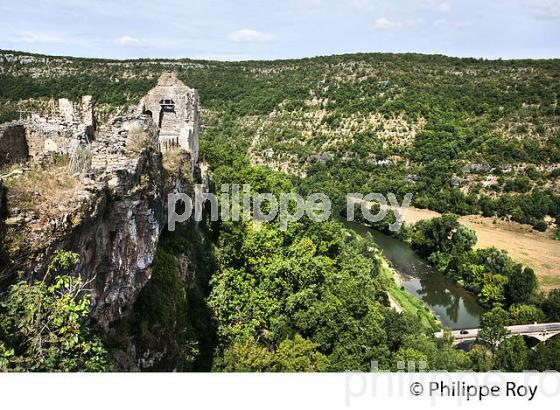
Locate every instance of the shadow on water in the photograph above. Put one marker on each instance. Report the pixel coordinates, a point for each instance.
(456, 307)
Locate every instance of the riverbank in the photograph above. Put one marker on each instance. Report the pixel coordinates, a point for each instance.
(404, 301)
(534, 249)
(420, 289)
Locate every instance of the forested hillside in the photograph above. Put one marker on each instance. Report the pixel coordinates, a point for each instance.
(464, 135)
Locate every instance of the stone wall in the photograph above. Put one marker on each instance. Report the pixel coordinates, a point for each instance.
(38, 136)
(47, 138)
(72, 114)
(13, 144)
(114, 215)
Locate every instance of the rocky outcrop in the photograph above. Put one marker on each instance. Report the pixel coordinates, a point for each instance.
(113, 220)
(111, 209)
(118, 237)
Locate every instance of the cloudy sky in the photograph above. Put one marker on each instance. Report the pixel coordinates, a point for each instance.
(270, 29)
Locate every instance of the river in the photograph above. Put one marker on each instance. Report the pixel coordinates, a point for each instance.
(455, 307)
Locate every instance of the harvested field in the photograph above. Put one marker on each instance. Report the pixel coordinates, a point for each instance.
(523, 244)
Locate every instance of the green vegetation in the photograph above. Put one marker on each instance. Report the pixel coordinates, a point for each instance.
(408, 303)
(496, 349)
(315, 288)
(490, 273)
(43, 327)
(463, 135)
(170, 317)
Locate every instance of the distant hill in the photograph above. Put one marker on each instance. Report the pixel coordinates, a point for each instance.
(464, 135)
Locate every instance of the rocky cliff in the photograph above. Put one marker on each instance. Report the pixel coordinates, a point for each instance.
(102, 195)
(112, 215)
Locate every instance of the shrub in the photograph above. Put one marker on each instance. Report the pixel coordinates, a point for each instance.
(540, 226)
(44, 326)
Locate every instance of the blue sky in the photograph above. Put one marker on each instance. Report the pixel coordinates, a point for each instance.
(271, 29)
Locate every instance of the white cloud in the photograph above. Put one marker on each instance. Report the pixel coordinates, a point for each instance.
(35, 38)
(544, 9)
(439, 6)
(444, 23)
(251, 36)
(386, 24)
(383, 23)
(129, 41)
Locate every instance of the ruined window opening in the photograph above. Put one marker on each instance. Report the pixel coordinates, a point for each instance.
(167, 105)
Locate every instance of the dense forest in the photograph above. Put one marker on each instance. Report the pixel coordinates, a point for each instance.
(465, 136)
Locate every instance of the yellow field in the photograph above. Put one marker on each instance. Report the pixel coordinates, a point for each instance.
(523, 244)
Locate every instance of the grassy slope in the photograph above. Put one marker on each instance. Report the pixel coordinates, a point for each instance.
(406, 301)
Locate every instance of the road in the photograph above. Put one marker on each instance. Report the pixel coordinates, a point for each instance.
(541, 331)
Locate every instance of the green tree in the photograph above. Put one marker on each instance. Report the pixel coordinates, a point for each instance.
(481, 358)
(292, 355)
(409, 359)
(44, 326)
(444, 235)
(546, 356)
(551, 305)
(522, 283)
(512, 355)
(440, 354)
(520, 314)
(299, 355)
(493, 327)
(493, 290)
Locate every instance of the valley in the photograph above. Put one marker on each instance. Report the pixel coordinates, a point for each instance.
(475, 141)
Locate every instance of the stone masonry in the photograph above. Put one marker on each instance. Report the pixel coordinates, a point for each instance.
(36, 136)
(174, 108)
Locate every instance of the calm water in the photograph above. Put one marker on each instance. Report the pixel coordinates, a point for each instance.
(455, 307)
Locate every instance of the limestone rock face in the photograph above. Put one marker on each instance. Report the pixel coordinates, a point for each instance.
(112, 211)
(113, 220)
(118, 237)
(174, 108)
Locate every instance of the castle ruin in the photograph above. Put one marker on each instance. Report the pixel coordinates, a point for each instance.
(171, 106)
(113, 210)
(174, 107)
(37, 136)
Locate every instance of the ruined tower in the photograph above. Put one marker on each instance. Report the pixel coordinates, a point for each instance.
(174, 107)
